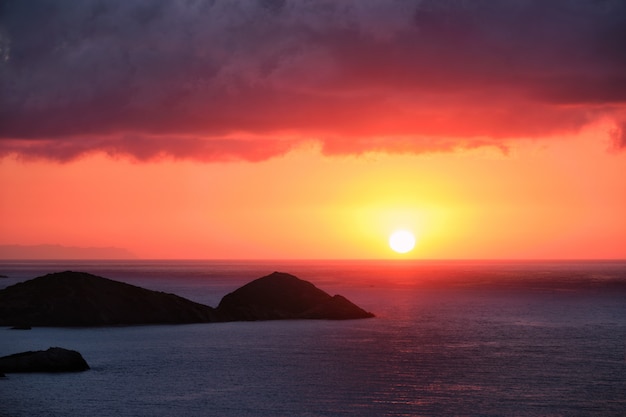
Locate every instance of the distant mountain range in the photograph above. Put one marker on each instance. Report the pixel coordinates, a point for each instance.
(20, 252)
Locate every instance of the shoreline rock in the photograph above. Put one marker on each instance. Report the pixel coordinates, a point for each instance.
(55, 359)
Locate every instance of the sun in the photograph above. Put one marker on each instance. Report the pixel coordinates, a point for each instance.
(402, 241)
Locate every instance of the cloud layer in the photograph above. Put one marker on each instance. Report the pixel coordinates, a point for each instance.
(244, 79)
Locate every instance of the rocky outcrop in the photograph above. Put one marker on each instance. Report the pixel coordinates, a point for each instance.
(54, 359)
(81, 299)
(280, 296)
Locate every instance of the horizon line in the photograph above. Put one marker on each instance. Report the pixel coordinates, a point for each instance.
(397, 259)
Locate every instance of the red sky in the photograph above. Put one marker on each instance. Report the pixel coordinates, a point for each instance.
(293, 129)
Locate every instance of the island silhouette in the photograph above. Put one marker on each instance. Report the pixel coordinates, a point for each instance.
(69, 299)
(55, 359)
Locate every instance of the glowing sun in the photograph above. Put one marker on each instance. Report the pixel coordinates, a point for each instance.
(402, 241)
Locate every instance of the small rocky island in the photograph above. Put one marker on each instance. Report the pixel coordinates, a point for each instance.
(54, 359)
(70, 298)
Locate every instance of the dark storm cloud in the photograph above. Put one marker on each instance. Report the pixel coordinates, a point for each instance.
(216, 80)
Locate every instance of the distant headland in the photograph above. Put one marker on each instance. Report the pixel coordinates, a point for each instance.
(70, 298)
(49, 252)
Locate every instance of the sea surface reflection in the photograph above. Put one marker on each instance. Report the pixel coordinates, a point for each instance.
(521, 339)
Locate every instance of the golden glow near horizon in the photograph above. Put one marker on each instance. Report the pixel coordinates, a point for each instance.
(558, 200)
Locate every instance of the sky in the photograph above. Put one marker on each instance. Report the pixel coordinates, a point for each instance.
(298, 129)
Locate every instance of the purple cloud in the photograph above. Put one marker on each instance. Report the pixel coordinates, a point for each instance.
(243, 79)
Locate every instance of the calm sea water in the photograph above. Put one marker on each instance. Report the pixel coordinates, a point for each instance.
(450, 338)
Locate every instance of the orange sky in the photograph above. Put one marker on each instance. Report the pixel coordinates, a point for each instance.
(564, 198)
(293, 129)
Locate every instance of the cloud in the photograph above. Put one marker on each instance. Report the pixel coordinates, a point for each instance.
(618, 134)
(244, 79)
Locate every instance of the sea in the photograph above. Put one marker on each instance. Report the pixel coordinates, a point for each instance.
(450, 338)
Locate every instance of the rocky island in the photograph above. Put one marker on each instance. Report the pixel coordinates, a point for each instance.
(70, 298)
(54, 359)
(81, 299)
(281, 296)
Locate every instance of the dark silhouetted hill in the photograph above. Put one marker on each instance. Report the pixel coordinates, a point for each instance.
(81, 299)
(281, 296)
